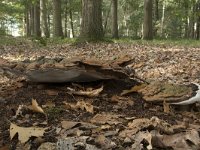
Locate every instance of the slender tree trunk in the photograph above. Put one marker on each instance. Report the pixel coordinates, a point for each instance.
(156, 16)
(37, 31)
(32, 19)
(163, 18)
(44, 18)
(156, 10)
(191, 22)
(148, 27)
(186, 25)
(27, 20)
(115, 19)
(198, 20)
(71, 20)
(106, 19)
(91, 27)
(65, 18)
(57, 21)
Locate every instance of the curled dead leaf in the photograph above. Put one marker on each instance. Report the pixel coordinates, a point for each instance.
(89, 93)
(35, 107)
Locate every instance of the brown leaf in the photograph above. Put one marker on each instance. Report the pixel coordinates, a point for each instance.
(35, 107)
(69, 124)
(184, 140)
(90, 93)
(81, 105)
(122, 101)
(24, 133)
(139, 137)
(85, 106)
(106, 119)
(135, 126)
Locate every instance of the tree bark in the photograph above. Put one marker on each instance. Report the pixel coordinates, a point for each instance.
(156, 10)
(57, 20)
(32, 19)
(44, 18)
(65, 18)
(91, 27)
(163, 18)
(71, 19)
(37, 31)
(148, 27)
(198, 20)
(115, 19)
(191, 22)
(106, 19)
(27, 20)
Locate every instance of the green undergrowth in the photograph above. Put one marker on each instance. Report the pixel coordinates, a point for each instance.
(42, 42)
(161, 42)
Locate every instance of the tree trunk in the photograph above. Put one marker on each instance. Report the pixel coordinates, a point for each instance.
(156, 16)
(198, 20)
(115, 19)
(148, 29)
(156, 10)
(65, 18)
(106, 19)
(27, 20)
(37, 31)
(71, 20)
(44, 18)
(91, 27)
(57, 21)
(186, 25)
(191, 22)
(32, 19)
(163, 18)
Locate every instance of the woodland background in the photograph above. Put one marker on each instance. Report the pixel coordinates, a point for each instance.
(136, 19)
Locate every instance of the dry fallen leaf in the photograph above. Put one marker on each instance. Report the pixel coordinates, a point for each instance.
(69, 124)
(184, 140)
(85, 106)
(89, 93)
(135, 126)
(35, 107)
(80, 105)
(24, 133)
(122, 101)
(106, 119)
(139, 137)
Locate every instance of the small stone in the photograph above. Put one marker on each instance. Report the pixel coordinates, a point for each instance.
(80, 146)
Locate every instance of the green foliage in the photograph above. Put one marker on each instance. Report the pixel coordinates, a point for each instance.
(161, 42)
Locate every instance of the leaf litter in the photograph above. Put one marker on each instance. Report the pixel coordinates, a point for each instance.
(98, 118)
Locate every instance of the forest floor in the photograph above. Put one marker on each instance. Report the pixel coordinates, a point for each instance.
(104, 114)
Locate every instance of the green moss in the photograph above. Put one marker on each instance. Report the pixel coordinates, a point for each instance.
(176, 90)
(54, 112)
